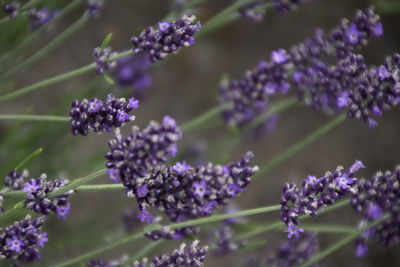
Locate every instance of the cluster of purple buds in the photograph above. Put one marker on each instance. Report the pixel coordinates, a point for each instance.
(251, 10)
(315, 194)
(294, 252)
(193, 256)
(183, 192)
(21, 240)
(104, 59)
(287, 5)
(317, 83)
(133, 71)
(177, 234)
(156, 44)
(41, 17)
(11, 9)
(131, 159)
(122, 261)
(16, 180)
(38, 201)
(374, 197)
(100, 116)
(94, 7)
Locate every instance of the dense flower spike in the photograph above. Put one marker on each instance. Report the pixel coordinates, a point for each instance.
(100, 116)
(11, 9)
(103, 58)
(287, 5)
(133, 71)
(315, 194)
(190, 193)
(132, 158)
(317, 83)
(94, 7)
(374, 197)
(41, 17)
(293, 252)
(16, 180)
(37, 200)
(156, 44)
(21, 240)
(193, 256)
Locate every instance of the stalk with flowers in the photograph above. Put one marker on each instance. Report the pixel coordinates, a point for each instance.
(176, 197)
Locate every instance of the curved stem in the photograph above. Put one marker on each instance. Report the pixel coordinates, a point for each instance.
(342, 242)
(141, 234)
(34, 118)
(50, 46)
(300, 145)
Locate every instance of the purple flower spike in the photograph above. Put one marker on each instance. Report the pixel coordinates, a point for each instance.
(63, 211)
(200, 189)
(15, 244)
(293, 231)
(181, 168)
(31, 187)
(42, 239)
(113, 174)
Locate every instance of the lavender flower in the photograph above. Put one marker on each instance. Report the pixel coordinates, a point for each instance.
(374, 197)
(251, 10)
(294, 251)
(318, 84)
(103, 58)
(223, 240)
(41, 17)
(20, 241)
(11, 9)
(37, 200)
(100, 116)
(94, 7)
(16, 180)
(193, 256)
(315, 194)
(133, 157)
(132, 71)
(177, 193)
(156, 44)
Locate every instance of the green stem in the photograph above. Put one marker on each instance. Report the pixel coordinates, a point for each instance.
(34, 118)
(342, 242)
(50, 46)
(141, 234)
(300, 145)
(203, 118)
(28, 159)
(36, 34)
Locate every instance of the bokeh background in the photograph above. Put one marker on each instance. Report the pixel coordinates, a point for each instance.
(184, 87)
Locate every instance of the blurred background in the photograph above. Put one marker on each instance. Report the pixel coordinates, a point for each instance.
(183, 87)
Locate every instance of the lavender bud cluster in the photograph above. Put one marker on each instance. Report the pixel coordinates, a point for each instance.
(183, 192)
(20, 241)
(156, 44)
(11, 9)
(294, 251)
(41, 17)
(132, 158)
(16, 180)
(100, 116)
(104, 59)
(374, 197)
(193, 256)
(38, 201)
(315, 194)
(318, 83)
(94, 7)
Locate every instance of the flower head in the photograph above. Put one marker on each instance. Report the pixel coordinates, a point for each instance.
(15, 244)
(42, 239)
(181, 167)
(31, 187)
(293, 231)
(63, 211)
(113, 174)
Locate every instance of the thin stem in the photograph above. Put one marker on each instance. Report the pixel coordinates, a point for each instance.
(34, 118)
(203, 118)
(300, 145)
(50, 46)
(99, 188)
(342, 242)
(28, 159)
(141, 234)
